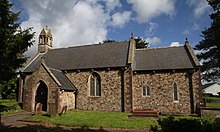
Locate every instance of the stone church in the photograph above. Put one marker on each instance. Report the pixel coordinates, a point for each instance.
(111, 77)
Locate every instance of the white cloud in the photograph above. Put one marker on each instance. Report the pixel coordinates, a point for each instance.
(119, 19)
(148, 9)
(175, 44)
(71, 22)
(153, 41)
(201, 6)
(112, 4)
(186, 32)
(151, 29)
(191, 29)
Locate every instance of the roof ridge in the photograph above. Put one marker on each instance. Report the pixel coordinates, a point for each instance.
(165, 47)
(88, 45)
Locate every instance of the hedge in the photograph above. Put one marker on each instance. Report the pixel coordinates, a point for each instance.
(189, 124)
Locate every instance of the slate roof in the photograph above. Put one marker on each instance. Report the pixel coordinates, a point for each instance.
(163, 59)
(106, 55)
(111, 55)
(64, 81)
(207, 85)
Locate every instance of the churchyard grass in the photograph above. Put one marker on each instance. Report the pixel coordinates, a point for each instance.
(9, 107)
(95, 119)
(212, 101)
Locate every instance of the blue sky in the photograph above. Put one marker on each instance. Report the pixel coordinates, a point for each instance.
(78, 22)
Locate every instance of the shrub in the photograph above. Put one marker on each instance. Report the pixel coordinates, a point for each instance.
(189, 124)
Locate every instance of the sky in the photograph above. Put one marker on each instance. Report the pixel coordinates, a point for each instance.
(82, 22)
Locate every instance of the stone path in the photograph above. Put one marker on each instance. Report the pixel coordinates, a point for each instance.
(18, 123)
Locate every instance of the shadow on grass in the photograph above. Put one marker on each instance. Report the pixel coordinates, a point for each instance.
(40, 128)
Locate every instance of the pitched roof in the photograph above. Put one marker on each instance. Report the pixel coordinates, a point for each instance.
(63, 80)
(163, 59)
(208, 84)
(84, 57)
(115, 54)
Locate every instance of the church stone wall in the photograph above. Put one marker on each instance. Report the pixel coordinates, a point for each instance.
(197, 91)
(110, 99)
(66, 99)
(161, 96)
(31, 85)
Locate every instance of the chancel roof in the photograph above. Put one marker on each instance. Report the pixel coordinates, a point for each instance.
(163, 59)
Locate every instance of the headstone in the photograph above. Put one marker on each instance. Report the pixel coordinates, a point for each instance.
(38, 108)
(64, 109)
(53, 111)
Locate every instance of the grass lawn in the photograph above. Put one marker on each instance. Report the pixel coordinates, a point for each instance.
(7, 102)
(95, 119)
(216, 102)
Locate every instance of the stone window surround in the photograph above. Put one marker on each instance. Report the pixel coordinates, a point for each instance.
(89, 79)
(147, 91)
(177, 94)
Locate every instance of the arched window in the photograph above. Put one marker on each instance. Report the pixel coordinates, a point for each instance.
(175, 92)
(146, 90)
(95, 85)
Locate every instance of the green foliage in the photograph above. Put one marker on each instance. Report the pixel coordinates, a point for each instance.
(188, 124)
(108, 41)
(8, 89)
(95, 119)
(212, 101)
(9, 103)
(210, 45)
(13, 43)
(141, 43)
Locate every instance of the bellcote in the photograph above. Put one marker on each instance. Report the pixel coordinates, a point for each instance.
(45, 40)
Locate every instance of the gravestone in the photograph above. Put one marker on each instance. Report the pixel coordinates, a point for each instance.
(64, 109)
(53, 111)
(38, 108)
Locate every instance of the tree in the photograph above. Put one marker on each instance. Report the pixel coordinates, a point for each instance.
(209, 47)
(108, 41)
(141, 43)
(14, 41)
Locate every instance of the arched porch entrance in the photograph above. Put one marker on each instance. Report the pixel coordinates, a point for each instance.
(41, 95)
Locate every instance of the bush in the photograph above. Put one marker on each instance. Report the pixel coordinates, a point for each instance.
(189, 124)
(8, 89)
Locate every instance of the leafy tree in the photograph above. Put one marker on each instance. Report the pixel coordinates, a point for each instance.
(14, 41)
(210, 45)
(141, 43)
(108, 41)
(8, 89)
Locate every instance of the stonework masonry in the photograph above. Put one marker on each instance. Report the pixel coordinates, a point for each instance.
(161, 91)
(31, 85)
(60, 78)
(67, 99)
(110, 99)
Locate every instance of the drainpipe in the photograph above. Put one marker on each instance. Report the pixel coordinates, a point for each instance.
(75, 92)
(190, 72)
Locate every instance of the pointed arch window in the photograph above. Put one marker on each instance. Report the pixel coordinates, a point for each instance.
(175, 92)
(95, 85)
(146, 90)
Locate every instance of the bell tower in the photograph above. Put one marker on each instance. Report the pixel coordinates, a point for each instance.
(45, 40)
